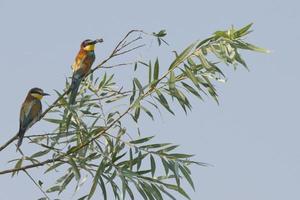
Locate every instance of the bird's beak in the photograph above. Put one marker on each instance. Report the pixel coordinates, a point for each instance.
(46, 94)
(97, 41)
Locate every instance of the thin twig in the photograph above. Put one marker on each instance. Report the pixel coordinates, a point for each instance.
(47, 134)
(40, 188)
(8, 142)
(32, 179)
(126, 36)
(132, 41)
(46, 146)
(129, 50)
(117, 65)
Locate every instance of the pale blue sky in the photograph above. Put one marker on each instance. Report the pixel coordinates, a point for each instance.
(251, 139)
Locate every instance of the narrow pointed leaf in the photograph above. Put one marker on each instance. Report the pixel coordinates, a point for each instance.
(74, 168)
(156, 70)
(153, 165)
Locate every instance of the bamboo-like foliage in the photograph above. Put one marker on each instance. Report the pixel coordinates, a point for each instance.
(91, 139)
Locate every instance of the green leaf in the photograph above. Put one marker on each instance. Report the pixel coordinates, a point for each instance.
(54, 166)
(166, 192)
(187, 176)
(115, 190)
(101, 84)
(179, 155)
(166, 165)
(168, 149)
(53, 189)
(137, 112)
(150, 72)
(180, 190)
(115, 159)
(243, 31)
(83, 197)
(40, 153)
(163, 101)
(142, 140)
(66, 182)
(73, 149)
(124, 183)
(219, 34)
(135, 66)
(43, 198)
(142, 172)
(130, 157)
(129, 191)
(147, 191)
(172, 81)
(96, 177)
(152, 146)
(251, 47)
(74, 168)
(18, 165)
(54, 121)
(161, 33)
(112, 177)
(139, 160)
(141, 191)
(191, 90)
(175, 170)
(153, 191)
(102, 185)
(191, 76)
(147, 112)
(156, 192)
(182, 57)
(153, 166)
(139, 85)
(133, 93)
(156, 70)
(182, 99)
(204, 42)
(203, 59)
(68, 121)
(191, 62)
(183, 193)
(240, 60)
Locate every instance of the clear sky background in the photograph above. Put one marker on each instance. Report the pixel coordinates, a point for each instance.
(251, 139)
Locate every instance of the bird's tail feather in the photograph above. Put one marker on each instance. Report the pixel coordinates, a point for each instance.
(21, 136)
(74, 89)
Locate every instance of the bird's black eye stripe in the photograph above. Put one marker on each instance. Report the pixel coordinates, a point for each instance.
(36, 92)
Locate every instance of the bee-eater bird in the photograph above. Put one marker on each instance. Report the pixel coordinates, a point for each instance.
(31, 111)
(82, 65)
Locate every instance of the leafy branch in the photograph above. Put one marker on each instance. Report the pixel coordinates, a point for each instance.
(116, 52)
(91, 139)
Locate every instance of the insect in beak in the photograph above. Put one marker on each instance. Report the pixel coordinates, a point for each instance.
(46, 94)
(97, 41)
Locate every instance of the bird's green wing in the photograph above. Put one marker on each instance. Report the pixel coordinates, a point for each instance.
(30, 113)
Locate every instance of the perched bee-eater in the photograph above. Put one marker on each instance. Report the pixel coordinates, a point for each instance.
(31, 111)
(82, 65)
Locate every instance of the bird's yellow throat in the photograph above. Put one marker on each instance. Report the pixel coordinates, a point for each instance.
(90, 47)
(37, 96)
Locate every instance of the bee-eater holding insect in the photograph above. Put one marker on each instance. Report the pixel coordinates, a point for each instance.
(31, 111)
(82, 65)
